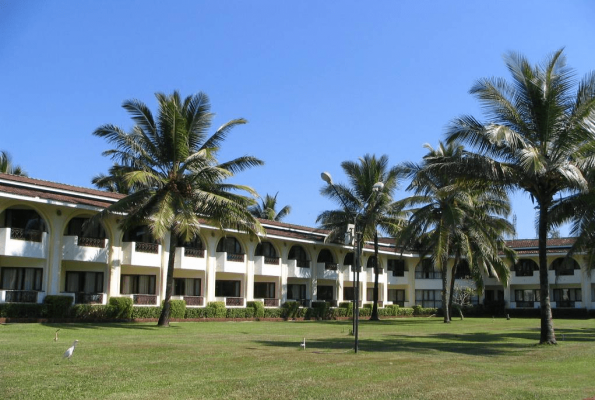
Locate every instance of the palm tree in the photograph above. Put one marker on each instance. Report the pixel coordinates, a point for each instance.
(7, 167)
(114, 180)
(267, 209)
(379, 213)
(170, 161)
(451, 219)
(538, 139)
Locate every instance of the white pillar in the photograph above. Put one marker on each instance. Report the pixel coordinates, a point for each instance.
(54, 254)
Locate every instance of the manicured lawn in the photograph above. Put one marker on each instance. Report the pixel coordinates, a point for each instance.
(412, 358)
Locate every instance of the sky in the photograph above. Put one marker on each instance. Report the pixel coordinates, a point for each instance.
(320, 82)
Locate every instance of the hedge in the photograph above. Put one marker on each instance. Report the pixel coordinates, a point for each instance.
(121, 307)
(58, 306)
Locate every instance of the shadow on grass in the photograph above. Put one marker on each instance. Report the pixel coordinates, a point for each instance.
(110, 325)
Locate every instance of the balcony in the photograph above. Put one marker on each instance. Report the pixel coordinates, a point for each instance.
(327, 271)
(21, 243)
(269, 266)
(566, 304)
(77, 248)
(393, 279)
(144, 299)
(566, 276)
(519, 278)
(299, 269)
(428, 275)
(21, 296)
(370, 275)
(194, 301)
(231, 301)
(229, 262)
(87, 298)
(189, 258)
(269, 302)
(141, 254)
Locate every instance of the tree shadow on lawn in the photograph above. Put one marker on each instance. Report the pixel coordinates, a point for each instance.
(108, 325)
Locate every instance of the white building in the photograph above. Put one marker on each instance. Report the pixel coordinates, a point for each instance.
(43, 253)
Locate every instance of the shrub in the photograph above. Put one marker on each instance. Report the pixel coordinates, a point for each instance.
(58, 306)
(405, 312)
(291, 309)
(23, 310)
(348, 307)
(273, 313)
(392, 310)
(90, 311)
(320, 309)
(365, 311)
(146, 312)
(247, 312)
(219, 310)
(177, 308)
(120, 307)
(258, 308)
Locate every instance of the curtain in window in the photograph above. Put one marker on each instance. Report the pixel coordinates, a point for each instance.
(126, 286)
(72, 282)
(89, 282)
(144, 284)
(9, 278)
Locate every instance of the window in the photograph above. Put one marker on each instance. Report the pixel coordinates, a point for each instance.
(428, 298)
(266, 249)
(324, 293)
(349, 259)
(525, 267)
(299, 254)
(370, 294)
(526, 298)
(84, 282)
(567, 297)
(76, 228)
(264, 290)
(229, 245)
(425, 270)
(463, 271)
(372, 262)
(494, 296)
(25, 224)
(187, 287)
(140, 234)
(348, 293)
(296, 292)
(564, 266)
(137, 284)
(325, 256)
(396, 266)
(397, 296)
(227, 288)
(21, 278)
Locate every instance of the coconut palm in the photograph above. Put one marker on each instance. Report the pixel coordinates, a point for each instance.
(267, 209)
(113, 181)
(373, 210)
(178, 183)
(7, 167)
(538, 138)
(449, 218)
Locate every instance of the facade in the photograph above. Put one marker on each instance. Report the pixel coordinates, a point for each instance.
(43, 252)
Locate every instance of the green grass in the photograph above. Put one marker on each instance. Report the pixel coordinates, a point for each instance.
(410, 358)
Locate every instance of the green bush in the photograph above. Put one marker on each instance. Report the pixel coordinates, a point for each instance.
(219, 310)
(247, 312)
(405, 312)
(291, 309)
(392, 310)
(177, 308)
(58, 306)
(273, 313)
(348, 307)
(365, 311)
(120, 307)
(320, 309)
(90, 311)
(146, 312)
(426, 312)
(258, 308)
(23, 310)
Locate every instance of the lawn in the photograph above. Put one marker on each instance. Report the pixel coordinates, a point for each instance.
(408, 358)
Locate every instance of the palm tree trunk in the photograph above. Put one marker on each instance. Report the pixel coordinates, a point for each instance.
(374, 316)
(164, 318)
(452, 284)
(445, 291)
(547, 327)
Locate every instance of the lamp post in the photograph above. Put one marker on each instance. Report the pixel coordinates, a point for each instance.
(357, 242)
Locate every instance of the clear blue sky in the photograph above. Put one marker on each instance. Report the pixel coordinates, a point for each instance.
(319, 82)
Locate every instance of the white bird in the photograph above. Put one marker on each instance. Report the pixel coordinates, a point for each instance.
(56, 338)
(303, 344)
(68, 353)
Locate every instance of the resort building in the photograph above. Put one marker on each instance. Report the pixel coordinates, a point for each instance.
(43, 252)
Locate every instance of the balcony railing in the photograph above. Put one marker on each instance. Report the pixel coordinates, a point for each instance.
(234, 301)
(331, 266)
(235, 257)
(142, 247)
(91, 242)
(190, 252)
(271, 302)
(88, 298)
(525, 304)
(25, 234)
(565, 304)
(428, 275)
(194, 300)
(398, 272)
(145, 299)
(271, 260)
(303, 263)
(21, 296)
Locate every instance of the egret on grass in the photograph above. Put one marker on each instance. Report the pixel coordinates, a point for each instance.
(56, 338)
(68, 353)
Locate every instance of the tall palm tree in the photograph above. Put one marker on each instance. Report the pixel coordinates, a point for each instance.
(178, 182)
(113, 181)
(7, 167)
(266, 209)
(538, 138)
(451, 219)
(374, 210)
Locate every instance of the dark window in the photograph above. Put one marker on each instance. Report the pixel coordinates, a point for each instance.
(525, 267)
(564, 266)
(348, 293)
(526, 298)
(84, 282)
(299, 254)
(229, 245)
(76, 228)
(227, 288)
(324, 293)
(325, 256)
(494, 296)
(463, 271)
(137, 284)
(296, 292)
(567, 297)
(397, 296)
(195, 243)
(21, 278)
(396, 266)
(266, 249)
(264, 290)
(428, 298)
(349, 259)
(187, 287)
(426, 270)
(140, 234)
(25, 224)
(371, 262)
